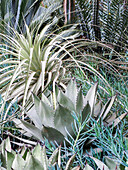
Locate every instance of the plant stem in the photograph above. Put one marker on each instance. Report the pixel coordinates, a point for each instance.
(77, 137)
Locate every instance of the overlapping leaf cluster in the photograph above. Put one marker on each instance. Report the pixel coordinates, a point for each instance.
(54, 120)
(35, 62)
(108, 17)
(17, 13)
(24, 159)
(37, 158)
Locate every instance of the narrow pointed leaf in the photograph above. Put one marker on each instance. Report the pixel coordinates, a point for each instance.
(100, 164)
(105, 113)
(34, 117)
(10, 159)
(111, 118)
(44, 158)
(3, 160)
(18, 163)
(118, 120)
(54, 157)
(59, 157)
(45, 100)
(33, 164)
(97, 109)
(79, 102)
(86, 112)
(37, 152)
(27, 86)
(106, 108)
(8, 145)
(87, 167)
(111, 164)
(71, 91)
(91, 96)
(70, 162)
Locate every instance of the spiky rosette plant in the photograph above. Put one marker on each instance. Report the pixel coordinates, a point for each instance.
(26, 159)
(35, 61)
(54, 120)
(37, 158)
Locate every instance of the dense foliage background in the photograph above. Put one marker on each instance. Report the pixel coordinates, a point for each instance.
(64, 84)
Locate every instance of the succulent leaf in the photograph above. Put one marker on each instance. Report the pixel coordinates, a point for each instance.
(71, 91)
(100, 164)
(37, 159)
(18, 162)
(38, 152)
(10, 159)
(70, 161)
(52, 134)
(45, 100)
(44, 158)
(34, 117)
(97, 109)
(54, 157)
(79, 101)
(3, 160)
(32, 130)
(86, 112)
(111, 163)
(65, 101)
(53, 124)
(116, 121)
(36, 59)
(91, 96)
(106, 108)
(111, 118)
(44, 111)
(7, 145)
(87, 167)
(22, 127)
(33, 164)
(106, 111)
(63, 119)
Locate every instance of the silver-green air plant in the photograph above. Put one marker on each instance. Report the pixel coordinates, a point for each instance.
(52, 120)
(34, 62)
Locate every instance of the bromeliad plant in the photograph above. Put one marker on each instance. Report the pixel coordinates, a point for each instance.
(54, 120)
(34, 62)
